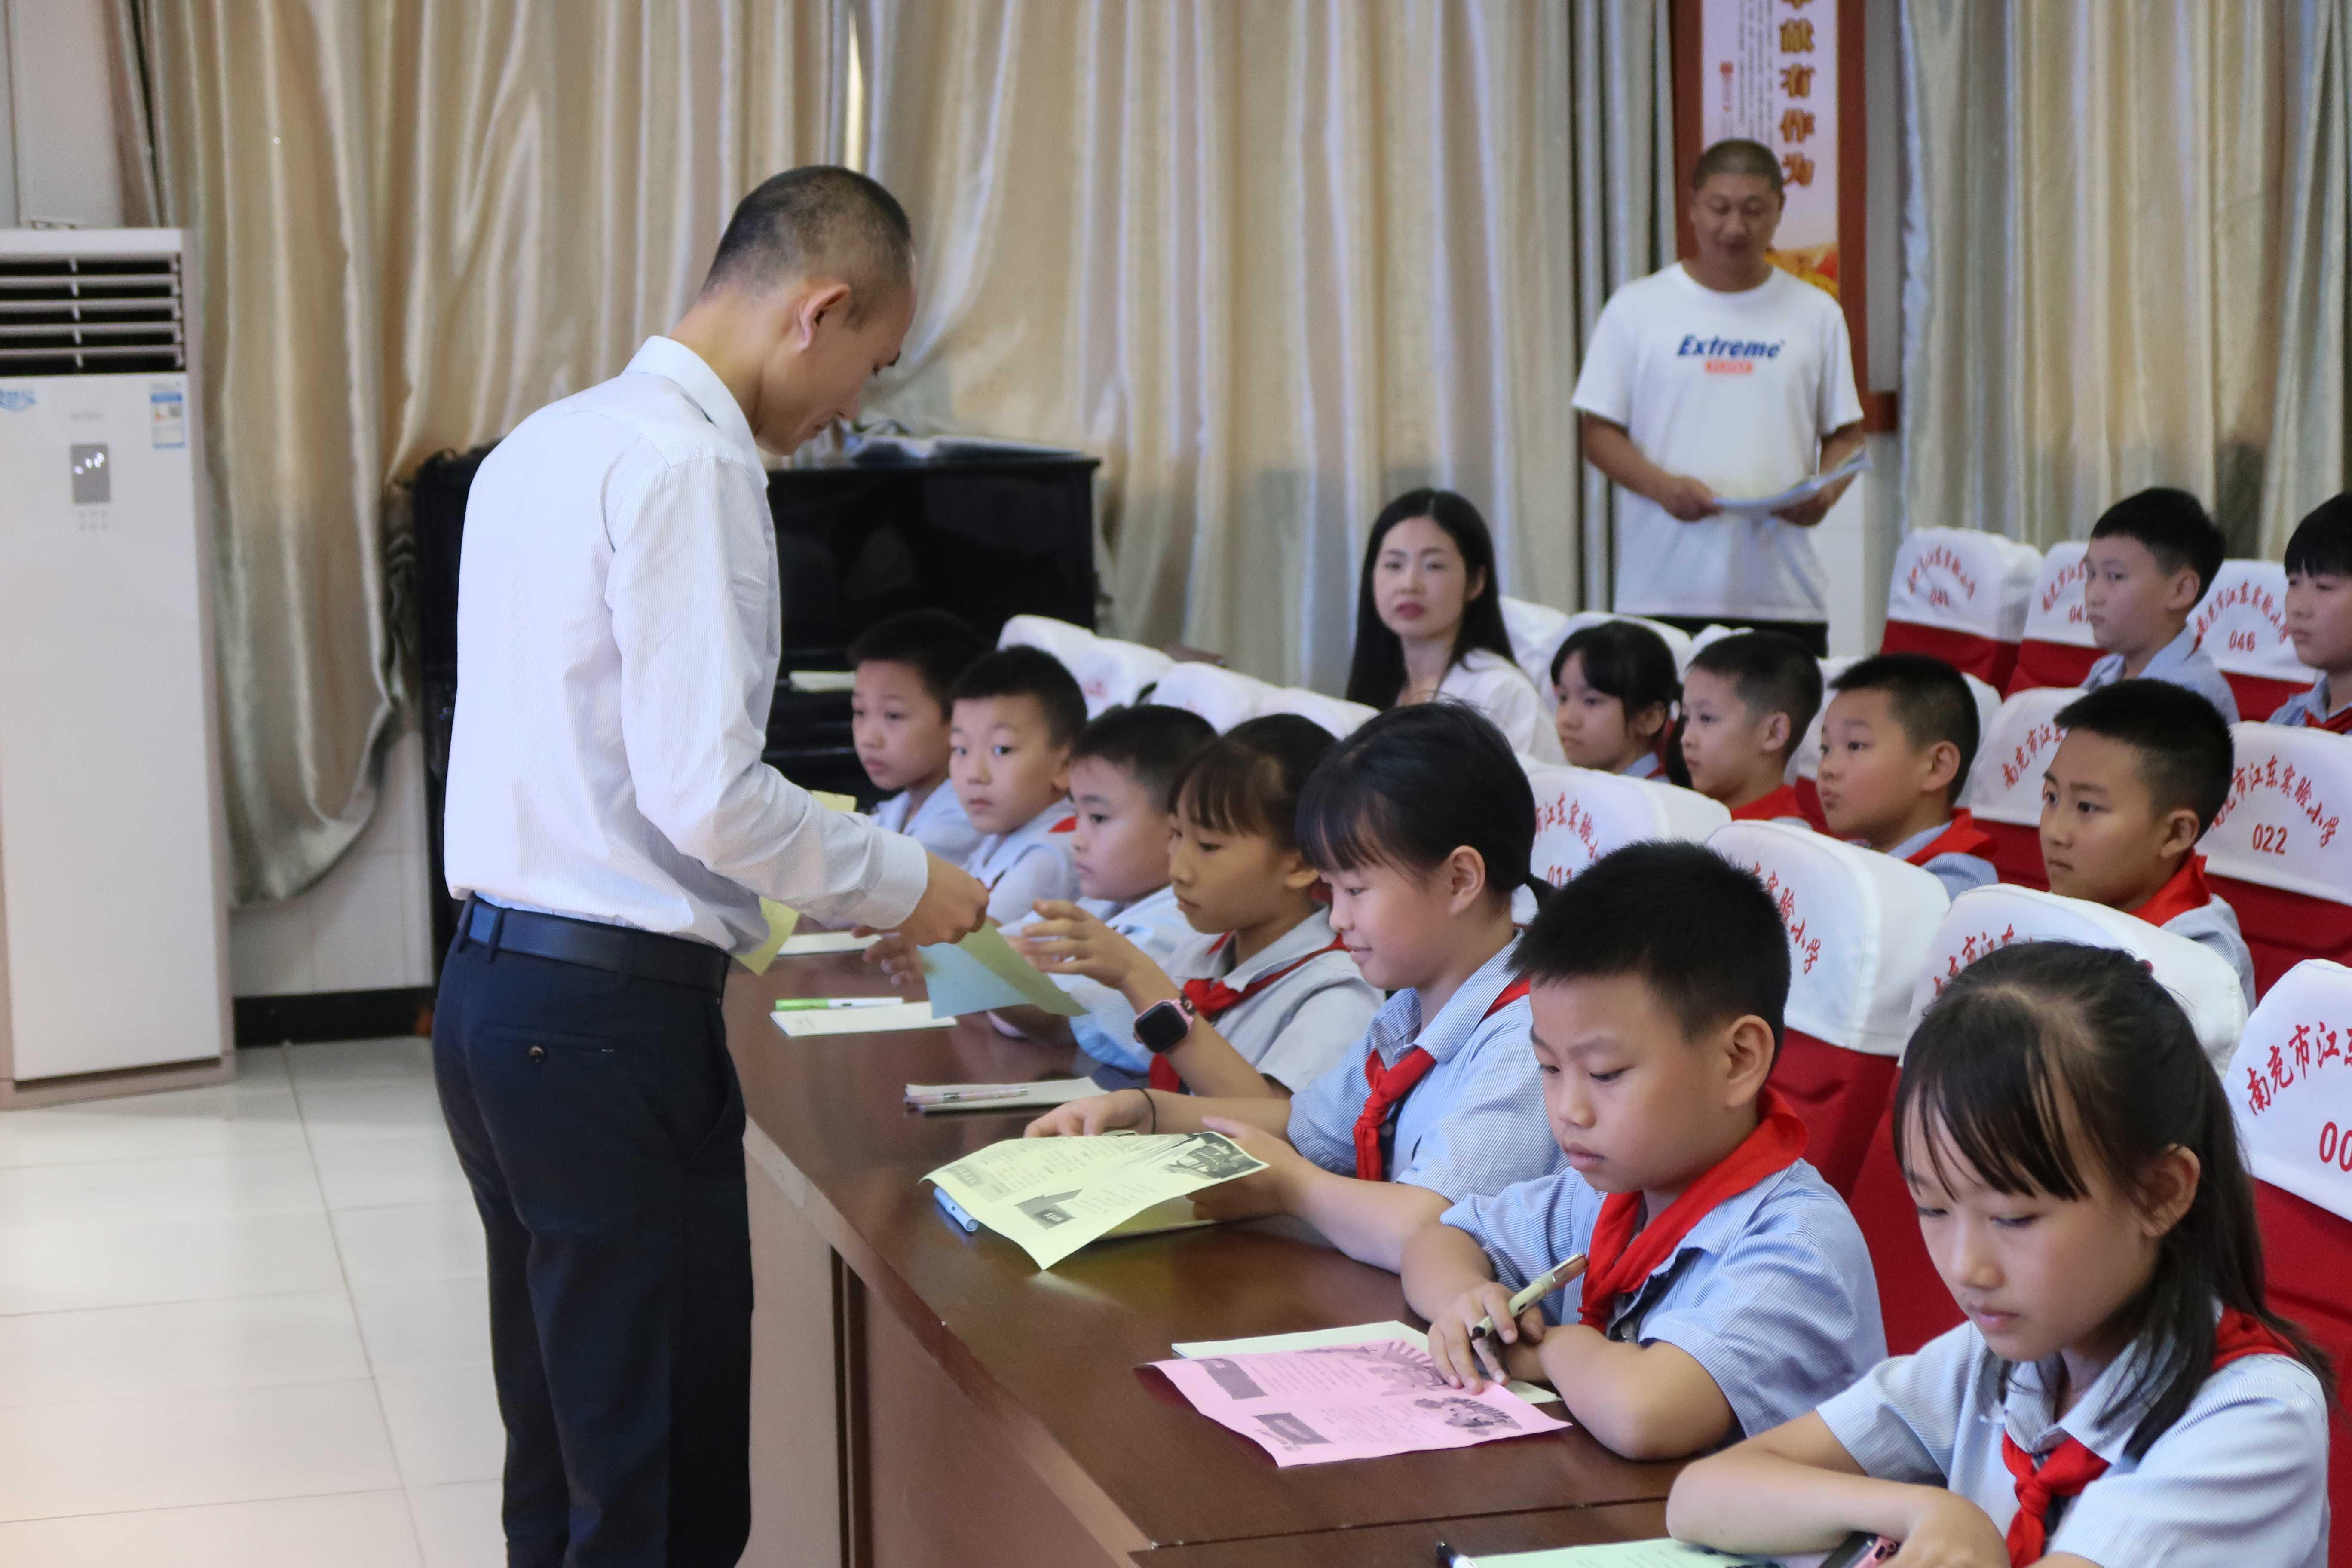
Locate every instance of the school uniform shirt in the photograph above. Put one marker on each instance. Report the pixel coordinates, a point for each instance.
(2180, 661)
(2185, 906)
(1781, 806)
(1959, 873)
(1771, 1291)
(1500, 690)
(939, 824)
(1030, 863)
(2240, 1478)
(1106, 1032)
(1737, 391)
(1298, 1027)
(1474, 1124)
(1648, 766)
(2310, 708)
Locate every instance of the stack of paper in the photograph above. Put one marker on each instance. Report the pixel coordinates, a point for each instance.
(809, 942)
(1043, 1096)
(983, 972)
(1804, 490)
(1859, 1552)
(1052, 1196)
(1320, 1339)
(886, 1016)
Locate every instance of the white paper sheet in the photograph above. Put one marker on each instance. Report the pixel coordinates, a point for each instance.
(1356, 1334)
(930, 1098)
(1765, 506)
(802, 1024)
(806, 944)
(1052, 1196)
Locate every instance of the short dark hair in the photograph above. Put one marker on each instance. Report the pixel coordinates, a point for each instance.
(1930, 699)
(1024, 671)
(1151, 742)
(1413, 786)
(1376, 673)
(1772, 672)
(2175, 527)
(937, 645)
(2322, 541)
(1737, 156)
(1623, 659)
(819, 220)
(1699, 931)
(2182, 740)
(1248, 780)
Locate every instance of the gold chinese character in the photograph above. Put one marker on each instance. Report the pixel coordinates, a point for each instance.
(1799, 4)
(1797, 168)
(1796, 38)
(1796, 124)
(1796, 82)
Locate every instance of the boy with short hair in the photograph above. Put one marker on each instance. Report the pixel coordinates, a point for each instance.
(1897, 744)
(905, 664)
(1728, 1289)
(1747, 700)
(1014, 715)
(2142, 773)
(2150, 559)
(2319, 616)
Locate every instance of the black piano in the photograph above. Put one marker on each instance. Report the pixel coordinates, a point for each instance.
(987, 538)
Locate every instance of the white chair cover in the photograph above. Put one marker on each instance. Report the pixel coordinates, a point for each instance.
(1963, 580)
(2290, 1081)
(1582, 814)
(1113, 674)
(2283, 825)
(1336, 714)
(2055, 613)
(1224, 697)
(2241, 625)
(2005, 784)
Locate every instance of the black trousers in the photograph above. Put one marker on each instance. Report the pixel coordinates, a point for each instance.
(601, 1125)
(1813, 635)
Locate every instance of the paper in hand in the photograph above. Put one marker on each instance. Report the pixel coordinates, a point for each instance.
(983, 972)
(782, 919)
(1765, 506)
(1052, 1196)
(802, 1024)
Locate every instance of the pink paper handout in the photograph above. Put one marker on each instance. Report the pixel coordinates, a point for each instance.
(1349, 1401)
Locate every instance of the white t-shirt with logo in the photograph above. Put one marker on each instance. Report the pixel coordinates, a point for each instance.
(1736, 391)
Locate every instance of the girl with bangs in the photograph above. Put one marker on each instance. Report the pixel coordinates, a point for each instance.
(2121, 1393)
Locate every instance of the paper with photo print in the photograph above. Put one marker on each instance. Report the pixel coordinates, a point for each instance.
(1349, 1401)
(1052, 1196)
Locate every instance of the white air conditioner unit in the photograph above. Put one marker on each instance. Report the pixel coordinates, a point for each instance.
(113, 854)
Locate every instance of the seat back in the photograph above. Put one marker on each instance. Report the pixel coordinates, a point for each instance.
(1582, 814)
(1336, 714)
(1537, 630)
(1113, 674)
(1961, 595)
(2056, 649)
(1224, 697)
(2004, 790)
(2241, 625)
(1063, 641)
(2278, 852)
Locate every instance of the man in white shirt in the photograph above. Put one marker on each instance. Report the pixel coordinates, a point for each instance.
(612, 828)
(1721, 377)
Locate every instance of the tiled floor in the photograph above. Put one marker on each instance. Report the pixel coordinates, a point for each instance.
(244, 1325)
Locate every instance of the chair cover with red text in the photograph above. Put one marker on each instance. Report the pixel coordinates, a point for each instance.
(1961, 595)
(1859, 927)
(2004, 789)
(2279, 851)
(1114, 674)
(2291, 1086)
(1341, 717)
(2241, 625)
(1224, 697)
(1582, 814)
(2056, 649)
(1912, 1297)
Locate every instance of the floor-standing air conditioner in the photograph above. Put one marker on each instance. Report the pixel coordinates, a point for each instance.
(113, 887)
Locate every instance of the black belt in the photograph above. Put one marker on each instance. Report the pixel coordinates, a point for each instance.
(620, 949)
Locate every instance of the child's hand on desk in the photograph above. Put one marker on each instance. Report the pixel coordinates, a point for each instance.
(1468, 1362)
(1097, 1114)
(1950, 1531)
(895, 956)
(1066, 939)
(1260, 1193)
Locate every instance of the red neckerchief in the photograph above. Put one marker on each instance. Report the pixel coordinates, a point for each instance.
(1781, 802)
(2337, 724)
(2185, 891)
(1386, 1087)
(1213, 998)
(1621, 1259)
(2071, 1467)
(1962, 836)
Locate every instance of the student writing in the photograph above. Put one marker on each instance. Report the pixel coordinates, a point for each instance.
(1896, 745)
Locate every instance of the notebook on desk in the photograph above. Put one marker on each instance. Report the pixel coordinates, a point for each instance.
(1857, 1551)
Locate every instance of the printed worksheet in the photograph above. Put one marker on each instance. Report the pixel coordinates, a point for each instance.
(1052, 1196)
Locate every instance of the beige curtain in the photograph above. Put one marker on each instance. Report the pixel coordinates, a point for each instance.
(1274, 263)
(2125, 237)
(414, 225)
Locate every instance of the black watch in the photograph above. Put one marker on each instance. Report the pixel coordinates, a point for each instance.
(1162, 1027)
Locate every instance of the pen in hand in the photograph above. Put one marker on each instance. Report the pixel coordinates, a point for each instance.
(1535, 1290)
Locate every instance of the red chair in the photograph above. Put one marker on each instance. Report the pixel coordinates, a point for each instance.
(2056, 649)
(2004, 789)
(2288, 1084)
(2278, 852)
(1961, 595)
(1913, 1301)
(2241, 625)
(1859, 927)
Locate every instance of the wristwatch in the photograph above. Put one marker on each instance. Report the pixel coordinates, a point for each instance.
(1162, 1027)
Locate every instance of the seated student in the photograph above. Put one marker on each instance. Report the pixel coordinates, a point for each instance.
(1617, 691)
(1747, 700)
(2150, 559)
(1016, 714)
(906, 666)
(2142, 773)
(1897, 744)
(1256, 963)
(1429, 620)
(2121, 1393)
(1421, 822)
(1728, 1289)
(2319, 616)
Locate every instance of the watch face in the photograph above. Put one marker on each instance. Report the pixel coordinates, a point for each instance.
(1161, 1027)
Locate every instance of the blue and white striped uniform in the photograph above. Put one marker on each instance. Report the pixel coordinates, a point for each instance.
(2305, 707)
(2180, 661)
(1030, 863)
(1959, 873)
(2214, 924)
(1771, 1291)
(2240, 1478)
(938, 825)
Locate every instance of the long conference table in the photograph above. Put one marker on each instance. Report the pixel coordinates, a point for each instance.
(921, 1396)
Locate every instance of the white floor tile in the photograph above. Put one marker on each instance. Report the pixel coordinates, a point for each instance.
(411, 1242)
(418, 1325)
(356, 1529)
(204, 1186)
(255, 1114)
(175, 1450)
(358, 1110)
(444, 1425)
(457, 1526)
(249, 1342)
(371, 1173)
(401, 1057)
(60, 1267)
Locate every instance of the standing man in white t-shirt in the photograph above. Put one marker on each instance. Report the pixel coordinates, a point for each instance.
(1721, 376)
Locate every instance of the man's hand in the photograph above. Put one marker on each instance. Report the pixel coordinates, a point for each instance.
(1686, 499)
(1468, 1362)
(1066, 939)
(895, 956)
(1808, 512)
(954, 905)
(1112, 1112)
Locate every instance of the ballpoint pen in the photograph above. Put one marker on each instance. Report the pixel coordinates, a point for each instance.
(822, 1004)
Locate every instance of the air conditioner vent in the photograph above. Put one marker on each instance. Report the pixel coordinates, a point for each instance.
(90, 315)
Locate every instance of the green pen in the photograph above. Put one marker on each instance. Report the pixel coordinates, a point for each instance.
(822, 1003)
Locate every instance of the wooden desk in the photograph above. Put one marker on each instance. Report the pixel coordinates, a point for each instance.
(922, 1395)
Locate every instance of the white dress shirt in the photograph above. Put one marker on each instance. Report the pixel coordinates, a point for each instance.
(1501, 690)
(619, 624)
